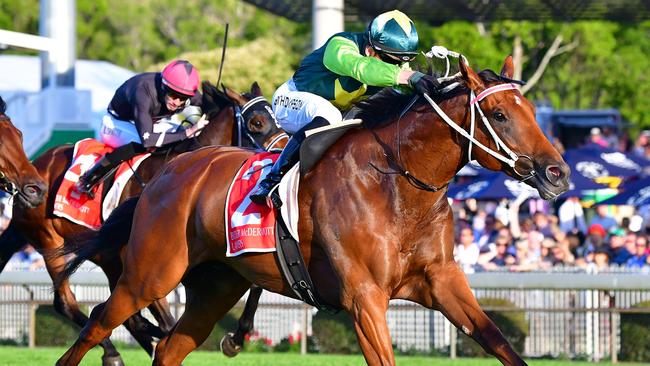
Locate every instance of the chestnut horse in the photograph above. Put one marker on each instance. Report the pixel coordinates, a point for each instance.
(47, 232)
(18, 177)
(374, 225)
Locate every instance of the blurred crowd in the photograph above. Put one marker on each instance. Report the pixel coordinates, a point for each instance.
(531, 234)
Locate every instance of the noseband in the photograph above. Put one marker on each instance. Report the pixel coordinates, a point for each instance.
(245, 112)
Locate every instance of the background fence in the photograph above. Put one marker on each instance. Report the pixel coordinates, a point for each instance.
(568, 313)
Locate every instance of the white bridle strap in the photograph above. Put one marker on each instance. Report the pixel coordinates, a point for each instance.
(251, 103)
(511, 159)
(492, 90)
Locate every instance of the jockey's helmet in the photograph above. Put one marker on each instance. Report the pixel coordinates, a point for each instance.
(393, 35)
(181, 77)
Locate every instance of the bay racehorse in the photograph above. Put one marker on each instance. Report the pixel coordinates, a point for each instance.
(256, 128)
(375, 223)
(18, 177)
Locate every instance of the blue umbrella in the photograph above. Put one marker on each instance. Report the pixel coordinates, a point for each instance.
(635, 193)
(594, 161)
(490, 186)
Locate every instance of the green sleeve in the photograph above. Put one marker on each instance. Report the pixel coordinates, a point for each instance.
(342, 57)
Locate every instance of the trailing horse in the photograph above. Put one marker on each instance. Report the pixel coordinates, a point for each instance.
(374, 221)
(255, 128)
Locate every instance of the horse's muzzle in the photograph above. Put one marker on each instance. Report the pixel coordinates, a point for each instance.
(552, 180)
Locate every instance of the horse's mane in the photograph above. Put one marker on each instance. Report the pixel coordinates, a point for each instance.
(388, 104)
(3, 106)
(214, 100)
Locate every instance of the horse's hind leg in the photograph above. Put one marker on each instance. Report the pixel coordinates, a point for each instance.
(160, 311)
(66, 304)
(207, 302)
(231, 344)
(453, 297)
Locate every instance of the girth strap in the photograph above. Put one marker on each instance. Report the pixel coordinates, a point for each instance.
(294, 270)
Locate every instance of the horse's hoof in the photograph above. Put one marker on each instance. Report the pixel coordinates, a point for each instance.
(228, 346)
(112, 361)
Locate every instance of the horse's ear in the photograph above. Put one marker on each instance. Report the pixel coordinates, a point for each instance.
(508, 69)
(472, 80)
(256, 90)
(233, 95)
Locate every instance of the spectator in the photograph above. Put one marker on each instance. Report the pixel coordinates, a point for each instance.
(522, 258)
(466, 252)
(619, 254)
(596, 137)
(28, 258)
(572, 216)
(601, 258)
(497, 255)
(639, 257)
(641, 143)
(603, 219)
(543, 224)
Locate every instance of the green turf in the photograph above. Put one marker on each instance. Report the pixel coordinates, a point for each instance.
(10, 356)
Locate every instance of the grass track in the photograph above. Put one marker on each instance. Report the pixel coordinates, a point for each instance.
(14, 356)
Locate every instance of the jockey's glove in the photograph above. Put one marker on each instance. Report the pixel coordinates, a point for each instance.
(423, 83)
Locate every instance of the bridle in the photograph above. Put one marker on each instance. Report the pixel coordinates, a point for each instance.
(245, 112)
(510, 158)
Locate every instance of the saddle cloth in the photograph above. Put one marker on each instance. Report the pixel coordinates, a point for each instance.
(79, 208)
(250, 228)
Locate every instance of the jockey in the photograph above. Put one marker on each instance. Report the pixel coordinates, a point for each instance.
(146, 113)
(349, 67)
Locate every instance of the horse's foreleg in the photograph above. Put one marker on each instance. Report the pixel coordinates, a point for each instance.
(160, 311)
(207, 302)
(231, 344)
(368, 308)
(452, 295)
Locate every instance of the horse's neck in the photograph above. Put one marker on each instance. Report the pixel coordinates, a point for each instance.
(219, 130)
(428, 148)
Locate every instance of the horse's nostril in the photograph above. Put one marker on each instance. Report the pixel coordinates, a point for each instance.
(32, 190)
(553, 173)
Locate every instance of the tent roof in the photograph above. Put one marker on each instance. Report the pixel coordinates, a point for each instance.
(440, 11)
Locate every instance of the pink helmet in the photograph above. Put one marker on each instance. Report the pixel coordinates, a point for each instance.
(181, 77)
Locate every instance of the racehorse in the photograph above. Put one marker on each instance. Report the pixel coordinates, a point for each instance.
(18, 177)
(256, 128)
(374, 221)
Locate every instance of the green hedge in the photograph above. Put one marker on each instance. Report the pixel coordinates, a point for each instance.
(53, 329)
(334, 333)
(512, 324)
(635, 335)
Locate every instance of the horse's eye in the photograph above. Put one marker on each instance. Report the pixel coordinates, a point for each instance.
(499, 117)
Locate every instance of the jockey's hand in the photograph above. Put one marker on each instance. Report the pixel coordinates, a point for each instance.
(202, 122)
(197, 127)
(423, 83)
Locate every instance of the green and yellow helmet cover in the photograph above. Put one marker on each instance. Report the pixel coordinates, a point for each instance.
(393, 32)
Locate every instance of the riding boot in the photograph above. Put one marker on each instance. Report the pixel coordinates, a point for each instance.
(265, 194)
(94, 175)
(104, 166)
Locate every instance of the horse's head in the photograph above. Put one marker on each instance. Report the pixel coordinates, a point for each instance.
(523, 150)
(254, 122)
(259, 127)
(18, 177)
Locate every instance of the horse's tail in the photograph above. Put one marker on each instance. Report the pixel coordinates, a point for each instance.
(103, 244)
